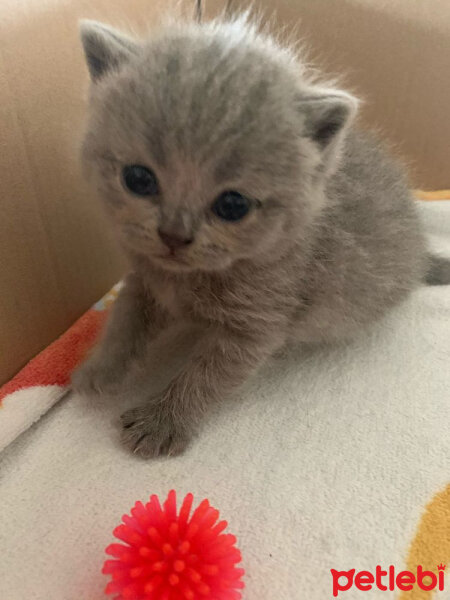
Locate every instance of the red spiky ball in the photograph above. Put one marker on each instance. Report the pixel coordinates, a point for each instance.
(170, 556)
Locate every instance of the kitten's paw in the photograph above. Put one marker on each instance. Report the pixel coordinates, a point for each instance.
(94, 377)
(150, 431)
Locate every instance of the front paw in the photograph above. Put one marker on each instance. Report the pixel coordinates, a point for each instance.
(150, 431)
(94, 377)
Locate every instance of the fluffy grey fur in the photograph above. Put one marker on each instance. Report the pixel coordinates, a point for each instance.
(332, 240)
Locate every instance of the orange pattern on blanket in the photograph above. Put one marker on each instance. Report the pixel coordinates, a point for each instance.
(54, 365)
(433, 195)
(431, 545)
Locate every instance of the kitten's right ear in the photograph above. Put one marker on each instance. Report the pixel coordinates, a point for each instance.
(105, 48)
(327, 115)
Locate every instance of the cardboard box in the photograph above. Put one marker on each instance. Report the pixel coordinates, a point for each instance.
(56, 254)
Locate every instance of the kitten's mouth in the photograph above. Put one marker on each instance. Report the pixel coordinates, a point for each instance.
(172, 258)
(169, 256)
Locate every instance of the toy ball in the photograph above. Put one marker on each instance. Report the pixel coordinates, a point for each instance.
(170, 556)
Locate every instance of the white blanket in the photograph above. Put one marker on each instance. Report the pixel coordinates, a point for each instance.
(326, 460)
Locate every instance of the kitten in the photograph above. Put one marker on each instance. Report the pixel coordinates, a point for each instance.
(248, 205)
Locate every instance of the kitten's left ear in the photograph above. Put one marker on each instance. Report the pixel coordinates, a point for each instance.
(327, 114)
(105, 48)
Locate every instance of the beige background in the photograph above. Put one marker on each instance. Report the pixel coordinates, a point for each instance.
(56, 257)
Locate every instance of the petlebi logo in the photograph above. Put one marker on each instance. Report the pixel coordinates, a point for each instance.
(388, 579)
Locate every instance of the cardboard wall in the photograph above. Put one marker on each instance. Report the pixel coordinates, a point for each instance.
(56, 255)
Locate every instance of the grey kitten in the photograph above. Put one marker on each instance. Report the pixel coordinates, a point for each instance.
(250, 210)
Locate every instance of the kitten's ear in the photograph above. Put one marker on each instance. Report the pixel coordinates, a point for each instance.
(105, 48)
(327, 115)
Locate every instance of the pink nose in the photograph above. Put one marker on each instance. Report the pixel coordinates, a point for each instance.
(172, 240)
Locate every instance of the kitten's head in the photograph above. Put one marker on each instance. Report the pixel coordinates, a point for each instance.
(207, 142)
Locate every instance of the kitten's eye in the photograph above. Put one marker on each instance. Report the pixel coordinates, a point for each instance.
(140, 180)
(231, 206)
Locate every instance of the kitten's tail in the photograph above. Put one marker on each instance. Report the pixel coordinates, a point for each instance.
(438, 270)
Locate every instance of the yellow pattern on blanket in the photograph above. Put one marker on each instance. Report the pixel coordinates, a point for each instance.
(431, 545)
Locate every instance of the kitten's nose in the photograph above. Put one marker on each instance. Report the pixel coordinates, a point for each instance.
(173, 240)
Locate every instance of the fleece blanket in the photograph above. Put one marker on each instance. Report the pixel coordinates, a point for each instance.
(332, 467)
(45, 379)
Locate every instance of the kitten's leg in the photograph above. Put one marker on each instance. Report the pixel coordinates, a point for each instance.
(221, 361)
(134, 318)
